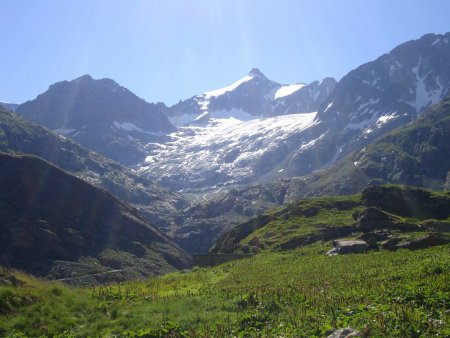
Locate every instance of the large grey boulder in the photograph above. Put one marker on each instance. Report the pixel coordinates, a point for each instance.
(345, 246)
(345, 333)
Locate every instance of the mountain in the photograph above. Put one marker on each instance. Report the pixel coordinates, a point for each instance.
(250, 97)
(387, 93)
(9, 106)
(235, 148)
(159, 205)
(410, 155)
(100, 115)
(57, 225)
(389, 217)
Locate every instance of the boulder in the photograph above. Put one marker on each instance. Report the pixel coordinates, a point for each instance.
(375, 236)
(436, 225)
(344, 246)
(391, 243)
(255, 242)
(373, 218)
(424, 242)
(345, 333)
(313, 211)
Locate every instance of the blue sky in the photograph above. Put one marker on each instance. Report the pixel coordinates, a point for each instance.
(168, 50)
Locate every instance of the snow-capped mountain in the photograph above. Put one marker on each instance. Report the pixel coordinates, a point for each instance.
(240, 142)
(388, 92)
(252, 96)
(101, 115)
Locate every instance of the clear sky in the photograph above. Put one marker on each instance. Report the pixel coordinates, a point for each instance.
(166, 50)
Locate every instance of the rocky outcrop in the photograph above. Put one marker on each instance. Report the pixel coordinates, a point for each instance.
(374, 218)
(101, 115)
(347, 332)
(408, 201)
(346, 246)
(424, 242)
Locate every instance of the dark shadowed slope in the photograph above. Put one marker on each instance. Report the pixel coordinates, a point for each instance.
(159, 205)
(49, 216)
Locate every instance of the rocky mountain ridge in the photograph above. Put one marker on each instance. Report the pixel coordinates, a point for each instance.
(253, 96)
(100, 115)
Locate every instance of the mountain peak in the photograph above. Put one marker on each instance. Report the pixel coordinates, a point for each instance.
(85, 77)
(257, 72)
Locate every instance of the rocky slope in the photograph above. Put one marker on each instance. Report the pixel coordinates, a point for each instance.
(160, 206)
(386, 93)
(389, 217)
(100, 115)
(57, 225)
(9, 106)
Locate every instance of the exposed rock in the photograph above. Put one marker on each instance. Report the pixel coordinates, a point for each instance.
(311, 211)
(347, 332)
(344, 246)
(391, 243)
(432, 224)
(407, 201)
(376, 236)
(373, 218)
(102, 116)
(255, 242)
(424, 242)
(269, 234)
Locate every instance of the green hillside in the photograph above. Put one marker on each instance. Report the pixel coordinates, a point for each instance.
(384, 216)
(295, 294)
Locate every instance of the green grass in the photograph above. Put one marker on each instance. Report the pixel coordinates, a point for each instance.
(274, 294)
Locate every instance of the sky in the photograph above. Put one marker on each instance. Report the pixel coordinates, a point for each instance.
(167, 50)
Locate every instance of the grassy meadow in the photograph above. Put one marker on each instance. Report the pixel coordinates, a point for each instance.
(274, 294)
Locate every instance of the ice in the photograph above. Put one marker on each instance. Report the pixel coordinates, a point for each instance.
(328, 107)
(371, 102)
(129, 126)
(63, 131)
(288, 90)
(424, 97)
(358, 125)
(230, 145)
(221, 91)
(436, 41)
(383, 119)
(182, 120)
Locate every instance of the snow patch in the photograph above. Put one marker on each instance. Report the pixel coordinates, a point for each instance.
(63, 131)
(288, 90)
(383, 119)
(182, 120)
(129, 126)
(328, 107)
(424, 97)
(371, 102)
(221, 91)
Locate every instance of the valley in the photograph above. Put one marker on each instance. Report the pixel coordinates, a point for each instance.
(332, 195)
